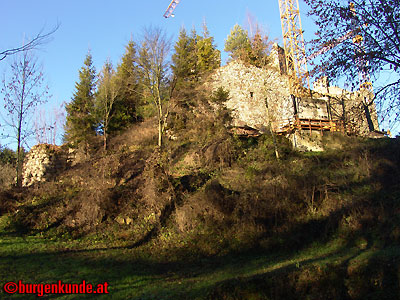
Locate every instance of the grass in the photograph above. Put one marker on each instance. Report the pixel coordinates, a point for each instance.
(34, 259)
(307, 226)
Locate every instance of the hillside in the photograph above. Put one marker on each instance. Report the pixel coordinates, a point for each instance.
(213, 216)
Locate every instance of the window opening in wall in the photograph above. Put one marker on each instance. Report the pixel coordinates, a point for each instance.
(251, 94)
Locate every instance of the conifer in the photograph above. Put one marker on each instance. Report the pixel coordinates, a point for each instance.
(81, 122)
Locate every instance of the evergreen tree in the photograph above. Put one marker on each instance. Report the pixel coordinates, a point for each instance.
(237, 43)
(184, 60)
(208, 56)
(81, 122)
(194, 56)
(128, 81)
(251, 50)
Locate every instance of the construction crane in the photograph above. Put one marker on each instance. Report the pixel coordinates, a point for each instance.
(293, 44)
(171, 7)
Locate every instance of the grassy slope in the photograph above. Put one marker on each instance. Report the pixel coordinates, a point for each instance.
(214, 218)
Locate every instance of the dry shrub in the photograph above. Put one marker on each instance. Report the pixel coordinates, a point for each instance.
(141, 134)
(7, 176)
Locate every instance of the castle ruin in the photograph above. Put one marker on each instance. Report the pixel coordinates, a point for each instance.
(261, 99)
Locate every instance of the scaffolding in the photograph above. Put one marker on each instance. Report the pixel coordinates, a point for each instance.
(289, 126)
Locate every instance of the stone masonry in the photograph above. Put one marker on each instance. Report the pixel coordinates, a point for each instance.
(257, 96)
(42, 162)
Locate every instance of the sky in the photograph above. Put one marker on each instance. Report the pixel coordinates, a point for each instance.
(105, 27)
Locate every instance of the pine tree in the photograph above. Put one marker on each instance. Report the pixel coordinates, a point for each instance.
(252, 50)
(208, 56)
(194, 56)
(184, 60)
(129, 95)
(238, 43)
(81, 122)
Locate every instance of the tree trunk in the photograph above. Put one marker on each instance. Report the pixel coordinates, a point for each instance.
(20, 116)
(160, 132)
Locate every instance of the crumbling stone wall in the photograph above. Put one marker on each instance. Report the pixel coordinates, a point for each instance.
(257, 96)
(42, 163)
(358, 118)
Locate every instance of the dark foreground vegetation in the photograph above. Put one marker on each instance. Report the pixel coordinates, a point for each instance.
(212, 216)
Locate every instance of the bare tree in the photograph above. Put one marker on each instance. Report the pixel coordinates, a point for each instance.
(153, 63)
(23, 91)
(360, 40)
(48, 123)
(106, 96)
(40, 39)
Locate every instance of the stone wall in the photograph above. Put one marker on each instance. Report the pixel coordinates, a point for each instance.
(257, 96)
(42, 163)
(260, 98)
(358, 118)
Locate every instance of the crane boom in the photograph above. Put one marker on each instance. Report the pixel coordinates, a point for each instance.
(170, 9)
(293, 43)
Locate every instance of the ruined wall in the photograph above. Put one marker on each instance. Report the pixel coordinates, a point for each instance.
(42, 162)
(349, 107)
(257, 96)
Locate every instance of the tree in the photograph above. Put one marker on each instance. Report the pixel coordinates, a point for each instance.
(153, 64)
(80, 125)
(260, 50)
(184, 61)
(48, 123)
(129, 94)
(193, 57)
(23, 91)
(106, 96)
(40, 39)
(237, 43)
(208, 56)
(361, 39)
(252, 48)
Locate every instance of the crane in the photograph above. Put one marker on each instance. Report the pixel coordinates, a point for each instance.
(293, 44)
(170, 9)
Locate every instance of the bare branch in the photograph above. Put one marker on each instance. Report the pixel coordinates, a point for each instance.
(40, 39)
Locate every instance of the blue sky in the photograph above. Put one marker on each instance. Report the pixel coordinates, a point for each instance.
(106, 27)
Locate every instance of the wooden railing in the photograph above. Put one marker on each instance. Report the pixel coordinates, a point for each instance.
(290, 125)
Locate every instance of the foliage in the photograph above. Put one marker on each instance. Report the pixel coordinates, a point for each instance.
(208, 56)
(184, 61)
(8, 161)
(81, 122)
(220, 95)
(127, 80)
(7, 156)
(105, 99)
(194, 57)
(253, 50)
(23, 92)
(237, 42)
(362, 39)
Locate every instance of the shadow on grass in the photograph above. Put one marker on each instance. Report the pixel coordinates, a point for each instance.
(269, 276)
